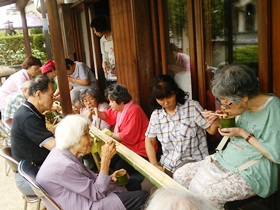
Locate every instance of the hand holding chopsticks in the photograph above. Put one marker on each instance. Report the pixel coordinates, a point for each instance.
(215, 114)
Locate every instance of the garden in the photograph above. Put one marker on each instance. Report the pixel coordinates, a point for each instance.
(12, 49)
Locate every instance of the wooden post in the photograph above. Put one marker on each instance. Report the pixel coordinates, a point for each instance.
(59, 57)
(25, 32)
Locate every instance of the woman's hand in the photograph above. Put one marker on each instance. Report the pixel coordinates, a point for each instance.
(56, 107)
(210, 117)
(105, 68)
(108, 150)
(159, 167)
(234, 131)
(70, 79)
(113, 177)
(88, 114)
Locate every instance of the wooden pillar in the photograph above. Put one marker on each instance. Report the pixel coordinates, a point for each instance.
(59, 57)
(133, 45)
(275, 15)
(200, 58)
(25, 32)
(162, 37)
(265, 34)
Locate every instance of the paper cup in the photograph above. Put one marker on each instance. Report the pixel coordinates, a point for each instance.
(122, 177)
(227, 122)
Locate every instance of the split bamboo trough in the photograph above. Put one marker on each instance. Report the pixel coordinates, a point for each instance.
(156, 176)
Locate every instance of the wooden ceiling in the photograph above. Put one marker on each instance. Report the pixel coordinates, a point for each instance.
(7, 2)
(19, 3)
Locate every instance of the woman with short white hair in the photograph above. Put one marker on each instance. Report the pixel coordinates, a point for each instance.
(176, 199)
(74, 186)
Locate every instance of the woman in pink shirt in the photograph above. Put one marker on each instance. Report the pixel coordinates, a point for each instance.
(130, 124)
(30, 68)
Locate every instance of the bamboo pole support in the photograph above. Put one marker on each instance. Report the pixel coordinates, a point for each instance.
(156, 176)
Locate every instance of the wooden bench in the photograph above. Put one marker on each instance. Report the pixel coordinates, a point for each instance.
(5, 72)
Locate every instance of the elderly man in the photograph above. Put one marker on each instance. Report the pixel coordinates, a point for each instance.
(30, 139)
(12, 103)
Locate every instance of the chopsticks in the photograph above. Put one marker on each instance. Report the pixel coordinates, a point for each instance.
(220, 115)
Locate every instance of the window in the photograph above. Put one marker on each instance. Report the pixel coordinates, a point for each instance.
(177, 43)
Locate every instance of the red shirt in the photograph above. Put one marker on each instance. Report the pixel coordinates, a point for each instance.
(132, 129)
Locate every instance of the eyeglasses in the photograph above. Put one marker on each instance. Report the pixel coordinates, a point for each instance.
(88, 100)
(49, 95)
(224, 106)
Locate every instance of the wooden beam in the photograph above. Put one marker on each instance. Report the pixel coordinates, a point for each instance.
(7, 2)
(59, 57)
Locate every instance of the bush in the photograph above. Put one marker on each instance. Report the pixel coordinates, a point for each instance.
(246, 55)
(36, 31)
(2, 33)
(38, 42)
(40, 55)
(12, 49)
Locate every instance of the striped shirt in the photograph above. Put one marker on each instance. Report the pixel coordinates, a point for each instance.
(182, 135)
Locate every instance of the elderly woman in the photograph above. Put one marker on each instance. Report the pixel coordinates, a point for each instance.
(176, 199)
(71, 184)
(130, 123)
(92, 99)
(253, 142)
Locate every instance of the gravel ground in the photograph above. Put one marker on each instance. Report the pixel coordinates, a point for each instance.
(10, 197)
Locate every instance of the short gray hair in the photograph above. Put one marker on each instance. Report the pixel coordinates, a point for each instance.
(26, 85)
(176, 199)
(70, 130)
(75, 97)
(118, 93)
(234, 82)
(41, 83)
(91, 92)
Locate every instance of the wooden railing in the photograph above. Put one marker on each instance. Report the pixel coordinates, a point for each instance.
(156, 176)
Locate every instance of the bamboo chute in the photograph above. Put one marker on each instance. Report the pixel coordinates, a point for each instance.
(156, 176)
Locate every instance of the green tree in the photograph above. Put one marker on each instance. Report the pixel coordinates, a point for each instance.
(176, 16)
